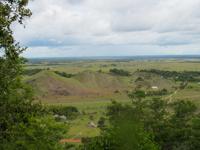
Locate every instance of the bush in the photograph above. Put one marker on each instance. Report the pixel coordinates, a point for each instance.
(139, 79)
(120, 72)
(31, 72)
(149, 125)
(157, 93)
(192, 76)
(101, 123)
(69, 111)
(64, 74)
(124, 133)
(41, 133)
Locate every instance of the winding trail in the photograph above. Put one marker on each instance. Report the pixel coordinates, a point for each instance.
(170, 97)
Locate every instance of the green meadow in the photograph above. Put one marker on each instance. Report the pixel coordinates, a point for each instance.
(90, 86)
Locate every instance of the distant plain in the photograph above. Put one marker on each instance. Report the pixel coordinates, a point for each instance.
(90, 86)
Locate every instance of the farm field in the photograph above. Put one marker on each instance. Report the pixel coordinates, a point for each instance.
(91, 85)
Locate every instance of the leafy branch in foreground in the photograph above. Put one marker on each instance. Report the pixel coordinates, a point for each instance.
(22, 122)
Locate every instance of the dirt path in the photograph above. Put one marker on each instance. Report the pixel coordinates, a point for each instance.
(170, 97)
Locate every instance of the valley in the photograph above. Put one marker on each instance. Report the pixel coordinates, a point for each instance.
(91, 85)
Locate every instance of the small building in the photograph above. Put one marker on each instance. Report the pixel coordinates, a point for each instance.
(92, 125)
(60, 118)
(154, 87)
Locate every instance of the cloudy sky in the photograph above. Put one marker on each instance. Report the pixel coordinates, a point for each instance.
(69, 28)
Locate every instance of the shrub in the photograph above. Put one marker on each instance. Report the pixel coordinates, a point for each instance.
(69, 111)
(64, 74)
(155, 125)
(192, 76)
(120, 72)
(40, 133)
(31, 72)
(157, 93)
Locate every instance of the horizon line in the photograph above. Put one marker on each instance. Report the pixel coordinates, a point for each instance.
(116, 56)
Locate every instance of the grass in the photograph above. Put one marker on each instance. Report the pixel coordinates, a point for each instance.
(91, 91)
(80, 66)
(79, 128)
(90, 86)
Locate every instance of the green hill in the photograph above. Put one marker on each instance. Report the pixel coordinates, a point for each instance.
(49, 85)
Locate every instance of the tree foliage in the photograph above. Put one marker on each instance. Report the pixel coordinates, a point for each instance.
(22, 122)
(125, 132)
(149, 124)
(191, 76)
(70, 112)
(120, 72)
(64, 74)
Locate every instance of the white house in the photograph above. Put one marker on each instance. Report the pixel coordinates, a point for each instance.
(154, 87)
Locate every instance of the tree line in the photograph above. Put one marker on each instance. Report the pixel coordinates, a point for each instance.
(192, 76)
(120, 72)
(149, 125)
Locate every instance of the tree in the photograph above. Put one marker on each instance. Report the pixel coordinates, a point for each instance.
(101, 123)
(124, 135)
(137, 98)
(137, 95)
(175, 126)
(22, 122)
(149, 124)
(14, 96)
(125, 131)
(120, 72)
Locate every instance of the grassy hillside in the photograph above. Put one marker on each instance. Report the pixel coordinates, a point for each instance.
(92, 81)
(85, 85)
(90, 86)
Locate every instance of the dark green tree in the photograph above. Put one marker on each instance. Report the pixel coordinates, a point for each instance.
(124, 132)
(149, 124)
(175, 126)
(23, 124)
(14, 96)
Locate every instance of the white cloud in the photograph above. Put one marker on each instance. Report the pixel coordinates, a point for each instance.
(123, 27)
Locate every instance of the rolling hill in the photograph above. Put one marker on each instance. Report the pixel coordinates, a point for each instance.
(90, 85)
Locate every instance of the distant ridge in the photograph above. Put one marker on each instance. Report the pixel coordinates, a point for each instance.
(127, 58)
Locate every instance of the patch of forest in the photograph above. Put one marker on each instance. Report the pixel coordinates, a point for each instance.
(120, 72)
(64, 74)
(30, 72)
(191, 76)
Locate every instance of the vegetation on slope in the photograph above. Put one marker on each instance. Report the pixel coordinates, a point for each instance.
(120, 72)
(149, 125)
(31, 72)
(64, 74)
(192, 76)
(49, 85)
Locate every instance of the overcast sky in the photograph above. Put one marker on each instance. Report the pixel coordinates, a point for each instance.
(65, 28)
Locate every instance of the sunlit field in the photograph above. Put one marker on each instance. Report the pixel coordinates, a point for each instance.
(93, 87)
